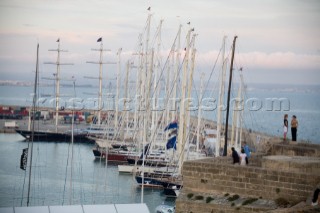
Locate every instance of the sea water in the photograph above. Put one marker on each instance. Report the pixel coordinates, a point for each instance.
(59, 177)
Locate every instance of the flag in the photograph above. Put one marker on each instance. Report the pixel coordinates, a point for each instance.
(172, 143)
(172, 125)
(24, 159)
(99, 39)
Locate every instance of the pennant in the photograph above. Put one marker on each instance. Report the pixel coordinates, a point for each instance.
(172, 143)
(99, 39)
(172, 125)
(24, 159)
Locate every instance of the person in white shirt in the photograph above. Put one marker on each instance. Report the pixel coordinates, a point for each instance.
(243, 158)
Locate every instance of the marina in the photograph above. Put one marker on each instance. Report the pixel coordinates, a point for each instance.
(160, 126)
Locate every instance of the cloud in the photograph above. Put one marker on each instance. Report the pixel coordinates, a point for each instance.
(274, 60)
(282, 60)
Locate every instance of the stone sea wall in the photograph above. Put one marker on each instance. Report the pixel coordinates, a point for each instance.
(284, 172)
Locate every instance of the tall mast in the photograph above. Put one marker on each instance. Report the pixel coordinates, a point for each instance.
(138, 85)
(176, 74)
(118, 88)
(182, 123)
(146, 91)
(35, 96)
(166, 119)
(190, 80)
(228, 98)
(239, 109)
(155, 84)
(100, 62)
(221, 96)
(126, 93)
(199, 111)
(57, 79)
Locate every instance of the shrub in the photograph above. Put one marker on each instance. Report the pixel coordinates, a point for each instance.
(209, 199)
(226, 195)
(190, 195)
(199, 197)
(249, 201)
(233, 198)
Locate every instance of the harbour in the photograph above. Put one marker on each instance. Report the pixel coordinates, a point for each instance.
(180, 121)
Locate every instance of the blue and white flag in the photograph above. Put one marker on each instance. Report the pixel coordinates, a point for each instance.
(172, 143)
(172, 125)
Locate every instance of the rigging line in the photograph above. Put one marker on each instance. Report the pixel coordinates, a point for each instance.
(159, 81)
(166, 63)
(66, 176)
(250, 113)
(162, 114)
(214, 66)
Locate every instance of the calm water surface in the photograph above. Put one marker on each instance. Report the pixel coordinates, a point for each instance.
(92, 182)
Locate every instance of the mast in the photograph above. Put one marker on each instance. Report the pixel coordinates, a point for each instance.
(35, 96)
(182, 123)
(57, 79)
(155, 84)
(221, 97)
(138, 85)
(239, 109)
(166, 119)
(146, 91)
(126, 92)
(190, 80)
(228, 98)
(118, 88)
(176, 75)
(199, 111)
(100, 62)
(72, 140)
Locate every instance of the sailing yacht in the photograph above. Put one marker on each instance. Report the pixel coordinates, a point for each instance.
(55, 135)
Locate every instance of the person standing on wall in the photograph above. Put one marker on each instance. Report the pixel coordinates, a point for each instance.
(235, 156)
(285, 127)
(247, 151)
(294, 128)
(243, 158)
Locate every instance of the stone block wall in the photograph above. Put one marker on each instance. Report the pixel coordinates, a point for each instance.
(205, 176)
(296, 149)
(302, 164)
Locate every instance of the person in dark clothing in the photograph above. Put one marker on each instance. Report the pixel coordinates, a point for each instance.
(235, 156)
(316, 198)
(285, 127)
(294, 127)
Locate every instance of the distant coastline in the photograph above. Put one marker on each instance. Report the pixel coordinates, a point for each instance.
(250, 86)
(29, 84)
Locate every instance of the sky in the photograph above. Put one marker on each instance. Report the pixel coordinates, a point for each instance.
(278, 41)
